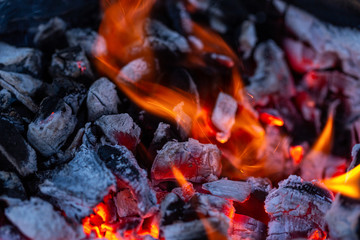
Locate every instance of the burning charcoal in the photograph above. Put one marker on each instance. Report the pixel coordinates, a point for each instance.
(55, 122)
(51, 35)
(22, 86)
(125, 203)
(223, 116)
(325, 38)
(248, 38)
(15, 152)
(135, 70)
(5, 99)
(125, 167)
(11, 186)
(85, 38)
(233, 190)
(37, 219)
(8, 232)
(20, 60)
(206, 228)
(120, 129)
(297, 209)
(162, 38)
(343, 217)
(303, 58)
(102, 99)
(71, 63)
(80, 184)
(259, 185)
(245, 227)
(161, 136)
(197, 162)
(272, 75)
(183, 120)
(181, 19)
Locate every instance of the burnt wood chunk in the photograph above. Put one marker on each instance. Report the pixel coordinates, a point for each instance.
(126, 169)
(37, 219)
(53, 125)
(79, 185)
(11, 186)
(102, 99)
(272, 75)
(20, 60)
(197, 162)
(126, 204)
(161, 38)
(120, 129)
(343, 218)
(297, 209)
(71, 63)
(15, 152)
(51, 35)
(245, 227)
(23, 86)
(233, 190)
(83, 37)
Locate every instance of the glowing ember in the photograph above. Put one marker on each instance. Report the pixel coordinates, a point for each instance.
(297, 153)
(346, 184)
(271, 120)
(317, 235)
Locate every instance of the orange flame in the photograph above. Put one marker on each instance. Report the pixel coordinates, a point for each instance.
(323, 144)
(271, 120)
(347, 184)
(297, 153)
(185, 185)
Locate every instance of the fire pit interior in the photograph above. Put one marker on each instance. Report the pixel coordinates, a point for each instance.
(179, 119)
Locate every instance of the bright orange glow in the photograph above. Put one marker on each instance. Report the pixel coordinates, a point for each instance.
(185, 185)
(271, 120)
(297, 153)
(102, 211)
(347, 184)
(317, 235)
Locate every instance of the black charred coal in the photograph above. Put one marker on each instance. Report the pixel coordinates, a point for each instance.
(79, 185)
(71, 63)
(125, 167)
(102, 99)
(15, 152)
(37, 219)
(51, 35)
(297, 209)
(11, 186)
(23, 86)
(20, 60)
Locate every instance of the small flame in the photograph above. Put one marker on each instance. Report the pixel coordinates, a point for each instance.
(185, 185)
(297, 153)
(347, 184)
(323, 144)
(271, 120)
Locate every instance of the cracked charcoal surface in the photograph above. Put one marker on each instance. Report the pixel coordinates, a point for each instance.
(197, 162)
(125, 167)
(79, 185)
(37, 219)
(15, 152)
(54, 124)
(233, 190)
(85, 38)
(102, 99)
(296, 209)
(9, 232)
(245, 227)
